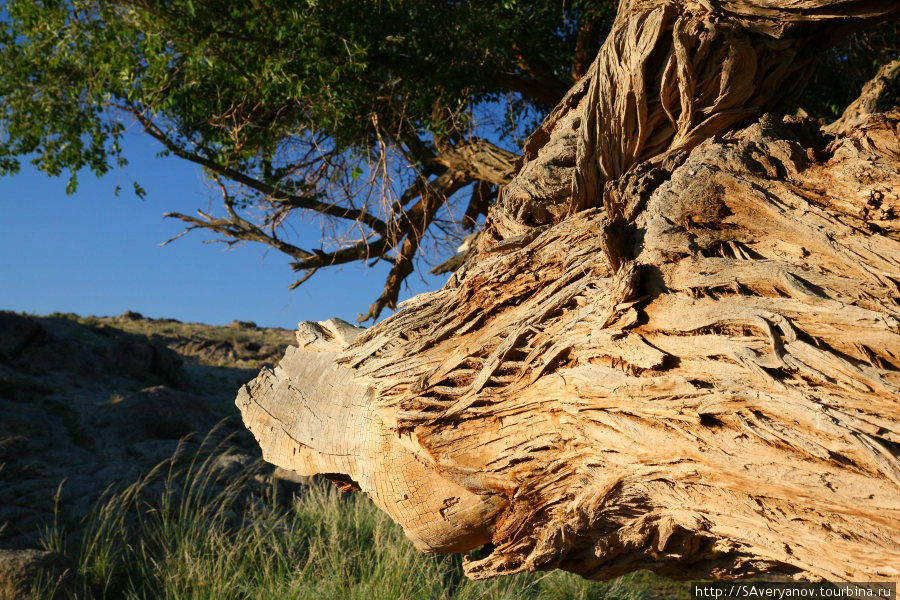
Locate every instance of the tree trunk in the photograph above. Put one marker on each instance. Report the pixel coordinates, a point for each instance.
(678, 346)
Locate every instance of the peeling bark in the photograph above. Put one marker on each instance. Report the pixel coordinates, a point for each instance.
(669, 76)
(678, 346)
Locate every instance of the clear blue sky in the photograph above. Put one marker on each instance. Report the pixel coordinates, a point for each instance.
(93, 253)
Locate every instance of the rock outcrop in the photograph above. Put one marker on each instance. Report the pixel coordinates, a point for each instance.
(93, 403)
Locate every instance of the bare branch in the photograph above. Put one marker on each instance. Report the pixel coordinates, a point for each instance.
(303, 279)
(359, 251)
(482, 192)
(417, 220)
(290, 200)
(481, 160)
(238, 229)
(549, 96)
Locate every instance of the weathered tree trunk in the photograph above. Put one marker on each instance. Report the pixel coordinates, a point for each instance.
(678, 346)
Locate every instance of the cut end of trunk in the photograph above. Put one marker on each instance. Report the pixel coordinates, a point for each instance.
(309, 415)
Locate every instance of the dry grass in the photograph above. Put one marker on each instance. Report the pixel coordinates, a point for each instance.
(178, 535)
(170, 328)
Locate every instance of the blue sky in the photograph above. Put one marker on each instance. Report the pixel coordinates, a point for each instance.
(93, 253)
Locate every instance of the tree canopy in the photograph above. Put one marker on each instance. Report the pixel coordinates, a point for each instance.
(396, 122)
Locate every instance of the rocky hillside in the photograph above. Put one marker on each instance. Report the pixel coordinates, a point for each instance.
(91, 403)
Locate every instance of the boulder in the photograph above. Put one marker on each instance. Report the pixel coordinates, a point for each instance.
(142, 359)
(166, 365)
(247, 348)
(208, 351)
(268, 350)
(220, 352)
(230, 465)
(131, 356)
(292, 479)
(282, 484)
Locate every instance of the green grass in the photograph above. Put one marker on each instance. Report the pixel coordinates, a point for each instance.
(176, 535)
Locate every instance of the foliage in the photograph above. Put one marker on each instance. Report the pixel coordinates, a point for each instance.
(328, 107)
(845, 68)
(177, 534)
(238, 81)
(357, 113)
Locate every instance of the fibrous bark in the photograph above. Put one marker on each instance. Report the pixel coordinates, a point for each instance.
(678, 346)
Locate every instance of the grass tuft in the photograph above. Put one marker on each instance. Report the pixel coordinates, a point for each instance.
(179, 534)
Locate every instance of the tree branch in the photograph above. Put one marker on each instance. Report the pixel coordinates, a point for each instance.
(481, 160)
(417, 221)
(238, 229)
(549, 96)
(482, 192)
(291, 200)
(360, 251)
(540, 73)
